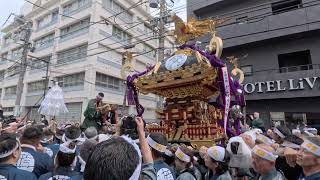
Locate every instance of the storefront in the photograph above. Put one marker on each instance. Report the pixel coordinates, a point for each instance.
(287, 101)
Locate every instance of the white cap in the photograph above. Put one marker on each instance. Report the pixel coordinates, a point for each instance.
(217, 153)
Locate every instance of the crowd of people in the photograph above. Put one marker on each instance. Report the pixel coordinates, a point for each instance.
(42, 151)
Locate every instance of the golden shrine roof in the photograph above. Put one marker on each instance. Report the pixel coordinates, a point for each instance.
(186, 73)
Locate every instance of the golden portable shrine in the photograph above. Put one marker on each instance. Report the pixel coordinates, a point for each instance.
(187, 80)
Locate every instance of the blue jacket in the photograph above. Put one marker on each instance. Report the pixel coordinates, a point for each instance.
(11, 172)
(51, 149)
(163, 170)
(62, 173)
(35, 162)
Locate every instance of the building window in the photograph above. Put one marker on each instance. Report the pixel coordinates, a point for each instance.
(44, 42)
(17, 53)
(149, 51)
(247, 70)
(73, 54)
(36, 86)
(10, 91)
(8, 109)
(75, 29)
(285, 5)
(295, 61)
(72, 80)
(75, 6)
(39, 64)
(148, 31)
(48, 19)
(108, 82)
(116, 8)
(14, 70)
(55, 16)
(145, 28)
(7, 40)
(121, 35)
(73, 116)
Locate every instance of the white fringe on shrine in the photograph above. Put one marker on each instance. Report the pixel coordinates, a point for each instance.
(53, 103)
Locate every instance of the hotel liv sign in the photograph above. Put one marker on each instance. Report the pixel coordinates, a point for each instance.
(280, 85)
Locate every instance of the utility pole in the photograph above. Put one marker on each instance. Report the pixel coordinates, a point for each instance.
(26, 28)
(161, 30)
(161, 26)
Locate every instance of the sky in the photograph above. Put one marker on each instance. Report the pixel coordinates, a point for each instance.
(7, 7)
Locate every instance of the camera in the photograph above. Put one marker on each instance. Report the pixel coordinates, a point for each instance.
(129, 126)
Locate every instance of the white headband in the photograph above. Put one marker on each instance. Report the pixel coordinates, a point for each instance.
(78, 139)
(155, 145)
(267, 155)
(313, 131)
(45, 140)
(311, 147)
(182, 156)
(276, 130)
(137, 171)
(8, 153)
(217, 153)
(264, 139)
(309, 133)
(65, 148)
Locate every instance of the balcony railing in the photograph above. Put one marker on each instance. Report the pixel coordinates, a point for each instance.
(288, 69)
(299, 68)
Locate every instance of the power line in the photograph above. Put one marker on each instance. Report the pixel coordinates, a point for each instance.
(107, 45)
(117, 42)
(71, 17)
(59, 72)
(226, 25)
(133, 6)
(137, 42)
(92, 23)
(251, 18)
(41, 68)
(227, 38)
(7, 19)
(219, 26)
